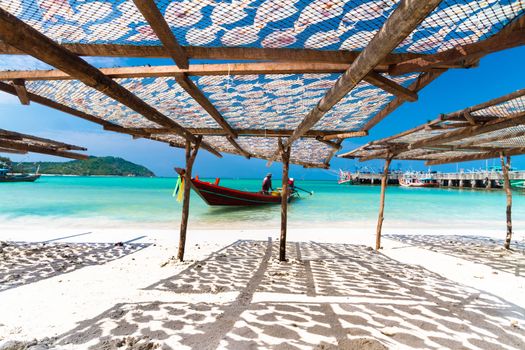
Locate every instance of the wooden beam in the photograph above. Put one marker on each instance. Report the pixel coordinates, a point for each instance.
(469, 117)
(479, 156)
(157, 22)
(390, 86)
(191, 154)
(21, 91)
(512, 35)
(250, 132)
(59, 145)
(192, 70)
(24, 147)
(405, 18)
(470, 131)
(335, 145)
(505, 167)
(285, 157)
(422, 81)
(343, 135)
(203, 101)
(16, 33)
(13, 151)
(238, 147)
(384, 182)
(221, 53)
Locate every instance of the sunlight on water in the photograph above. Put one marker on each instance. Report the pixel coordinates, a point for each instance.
(149, 200)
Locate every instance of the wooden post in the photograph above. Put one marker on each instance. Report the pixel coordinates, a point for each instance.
(384, 181)
(285, 155)
(190, 158)
(506, 181)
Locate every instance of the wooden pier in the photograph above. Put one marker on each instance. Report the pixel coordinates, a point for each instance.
(479, 179)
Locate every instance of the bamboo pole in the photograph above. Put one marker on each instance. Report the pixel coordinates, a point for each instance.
(384, 181)
(506, 181)
(285, 155)
(190, 158)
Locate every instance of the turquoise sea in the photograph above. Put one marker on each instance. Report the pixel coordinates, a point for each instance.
(149, 201)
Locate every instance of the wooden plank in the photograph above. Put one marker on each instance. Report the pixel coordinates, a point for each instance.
(203, 101)
(16, 33)
(422, 81)
(162, 30)
(238, 147)
(384, 182)
(192, 70)
(470, 131)
(343, 135)
(24, 147)
(390, 86)
(479, 156)
(512, 35)
(191, 154)
(221, 53)
(285, 157)
(505, 166)
(405, 18)
(21, 91)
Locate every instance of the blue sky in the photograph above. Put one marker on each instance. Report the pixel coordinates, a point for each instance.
(498, 74)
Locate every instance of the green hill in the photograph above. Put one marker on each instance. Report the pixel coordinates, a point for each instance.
(91, 166)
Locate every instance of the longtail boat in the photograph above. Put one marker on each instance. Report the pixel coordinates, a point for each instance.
(418, 180)
(213, 194)
(5, 176)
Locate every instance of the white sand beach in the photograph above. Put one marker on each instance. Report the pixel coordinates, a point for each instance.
(424, 289)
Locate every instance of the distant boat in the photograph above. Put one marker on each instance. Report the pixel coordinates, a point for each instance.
(6, 176)
(418, 180)
(345, 177)
(216, 195)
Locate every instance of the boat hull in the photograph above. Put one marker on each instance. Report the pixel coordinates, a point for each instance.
(418, 184)
(215, 195)
(19, 178)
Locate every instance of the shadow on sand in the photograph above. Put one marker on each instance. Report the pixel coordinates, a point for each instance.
(479, 249)
(327, 296)
(23, 263)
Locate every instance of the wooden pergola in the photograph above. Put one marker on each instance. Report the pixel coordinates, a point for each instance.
(311, 76)
(17, 143)
(494, 129)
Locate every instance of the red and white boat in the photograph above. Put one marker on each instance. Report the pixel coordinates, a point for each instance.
(213, 194)
(418, 180)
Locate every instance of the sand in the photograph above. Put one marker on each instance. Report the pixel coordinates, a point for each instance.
(71, 288)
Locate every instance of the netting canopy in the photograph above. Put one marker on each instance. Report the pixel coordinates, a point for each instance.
(317, 24)
(298, 50)
(479, 132)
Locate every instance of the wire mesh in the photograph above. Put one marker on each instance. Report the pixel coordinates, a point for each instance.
(77, 95)
(164, 94)
(505, 109)
(317, 24)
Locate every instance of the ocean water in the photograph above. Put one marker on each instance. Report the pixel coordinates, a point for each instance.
(149, 201)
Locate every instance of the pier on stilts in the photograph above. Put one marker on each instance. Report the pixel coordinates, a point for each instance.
(478, 179)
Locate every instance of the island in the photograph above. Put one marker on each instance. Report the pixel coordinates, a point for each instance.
(96, 166)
